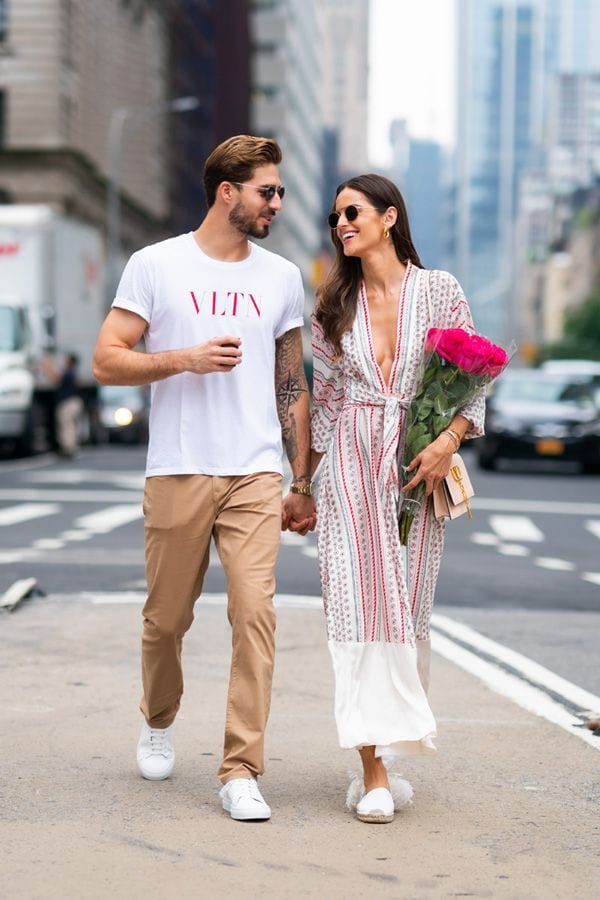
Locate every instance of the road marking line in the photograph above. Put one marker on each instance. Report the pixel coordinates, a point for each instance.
(311, 551)
(117, 598)
(485, 538)
(513, 550)
(553, 507)
(12, 515)
(531, 698)
(122, 478)
(593, 526)
(75, 535)
(105, 520)
(48, 544)
(527, 667)
(555, 564)
(75, 496)
(12, 556)
(592, 577)
(516, 528)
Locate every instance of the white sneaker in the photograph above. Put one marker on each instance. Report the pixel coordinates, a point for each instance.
(155, 752)
(243, 800)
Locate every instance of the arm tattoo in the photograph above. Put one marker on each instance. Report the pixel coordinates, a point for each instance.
(290, 385)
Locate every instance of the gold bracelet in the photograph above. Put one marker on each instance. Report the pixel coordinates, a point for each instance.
(453, 436)
(305, 489)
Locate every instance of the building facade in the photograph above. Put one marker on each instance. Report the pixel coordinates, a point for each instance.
(60, 87)
(502, 47)
(287, 45)
(527, 97)
(209, 58)
(346, 79)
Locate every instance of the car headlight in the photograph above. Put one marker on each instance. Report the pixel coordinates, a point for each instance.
(123, 416)
(15, 395)
(589, 428)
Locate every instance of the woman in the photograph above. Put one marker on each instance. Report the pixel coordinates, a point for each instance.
(370, 322)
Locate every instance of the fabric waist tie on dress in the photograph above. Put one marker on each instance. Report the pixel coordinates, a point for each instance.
(357, 394)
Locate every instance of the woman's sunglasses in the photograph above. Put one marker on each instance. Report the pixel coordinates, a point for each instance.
(351, 212)
(267, 191)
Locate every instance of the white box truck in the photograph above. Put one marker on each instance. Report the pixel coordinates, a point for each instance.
(51, 301)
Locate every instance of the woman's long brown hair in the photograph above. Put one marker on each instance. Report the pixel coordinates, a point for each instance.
(337, 297)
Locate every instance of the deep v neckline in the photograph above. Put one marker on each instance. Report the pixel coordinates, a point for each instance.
(385, 385)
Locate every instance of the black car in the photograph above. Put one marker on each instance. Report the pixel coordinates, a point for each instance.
(538, 414)
(123, 413)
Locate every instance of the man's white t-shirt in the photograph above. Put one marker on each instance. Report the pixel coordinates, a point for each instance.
(223, 423)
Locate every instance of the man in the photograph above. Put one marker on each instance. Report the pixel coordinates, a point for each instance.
(221, 318)
(68, 408)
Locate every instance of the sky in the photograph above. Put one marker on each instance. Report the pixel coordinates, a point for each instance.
(411, 58)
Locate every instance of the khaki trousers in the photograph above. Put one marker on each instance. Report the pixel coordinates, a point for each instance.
(68, 414)
(243, 514)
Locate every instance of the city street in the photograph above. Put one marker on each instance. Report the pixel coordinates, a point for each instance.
(524, 572)
(497, 813)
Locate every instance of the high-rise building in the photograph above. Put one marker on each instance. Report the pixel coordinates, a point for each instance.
(516, 62)
(345, 80)
(210, 59)
(287, 52)
(500, 56)
(574, 131)
(419, 169)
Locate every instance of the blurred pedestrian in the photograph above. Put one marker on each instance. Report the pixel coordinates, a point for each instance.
(221, 318)
(68, 404)
(369, 327)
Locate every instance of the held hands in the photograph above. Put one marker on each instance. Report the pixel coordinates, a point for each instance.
(432, 464)
(219, 354)
(298, 514)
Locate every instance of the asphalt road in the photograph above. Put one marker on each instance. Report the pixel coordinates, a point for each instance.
(524, 572)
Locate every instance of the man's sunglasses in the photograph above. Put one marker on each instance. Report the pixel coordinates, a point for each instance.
(351, 213)
(267, 191)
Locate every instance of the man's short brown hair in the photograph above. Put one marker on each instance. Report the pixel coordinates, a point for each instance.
(236, 159)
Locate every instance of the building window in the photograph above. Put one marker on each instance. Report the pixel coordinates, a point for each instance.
(3, 20)
(67, 111)
(68, 33)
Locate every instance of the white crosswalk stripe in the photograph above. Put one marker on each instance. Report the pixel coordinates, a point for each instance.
(516, 528)
(105, 520)
(12, 515)
(593, 526)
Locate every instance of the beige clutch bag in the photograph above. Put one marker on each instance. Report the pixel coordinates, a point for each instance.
(451, 496)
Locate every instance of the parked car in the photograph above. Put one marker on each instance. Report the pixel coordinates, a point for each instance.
(540, 414)
(123, 412)
(587, 369)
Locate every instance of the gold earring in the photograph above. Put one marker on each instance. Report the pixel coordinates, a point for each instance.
(386, 233)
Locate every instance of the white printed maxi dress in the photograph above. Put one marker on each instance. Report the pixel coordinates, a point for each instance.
(378, 596)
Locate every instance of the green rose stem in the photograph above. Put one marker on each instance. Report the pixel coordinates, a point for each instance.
(443, 390)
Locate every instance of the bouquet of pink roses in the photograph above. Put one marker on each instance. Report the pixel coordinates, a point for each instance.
(455, 366)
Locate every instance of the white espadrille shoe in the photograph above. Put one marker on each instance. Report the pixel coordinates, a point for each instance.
(379, 805)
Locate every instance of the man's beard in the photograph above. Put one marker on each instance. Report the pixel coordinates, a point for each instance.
(245, 224)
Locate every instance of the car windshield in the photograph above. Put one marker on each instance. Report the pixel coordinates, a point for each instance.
(119, 395)
(544, 391)
(10, 338)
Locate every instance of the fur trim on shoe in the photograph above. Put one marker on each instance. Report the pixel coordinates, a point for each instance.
(400, 789)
